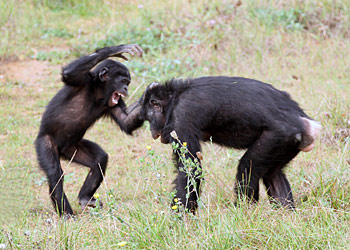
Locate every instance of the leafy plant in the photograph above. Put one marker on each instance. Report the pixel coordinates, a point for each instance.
(56, 32)
(293, 19)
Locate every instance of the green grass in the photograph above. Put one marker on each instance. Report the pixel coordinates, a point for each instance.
(299, 46)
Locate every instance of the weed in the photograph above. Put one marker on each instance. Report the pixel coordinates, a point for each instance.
(293, 19)
(55, 56)
(53, 32)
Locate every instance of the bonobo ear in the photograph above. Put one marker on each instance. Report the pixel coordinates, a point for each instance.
(103, 74)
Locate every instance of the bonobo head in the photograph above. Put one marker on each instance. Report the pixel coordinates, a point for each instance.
(155, 102)
(114, 78)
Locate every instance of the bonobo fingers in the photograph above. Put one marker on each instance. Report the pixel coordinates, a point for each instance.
(139, 50)
(132, 49)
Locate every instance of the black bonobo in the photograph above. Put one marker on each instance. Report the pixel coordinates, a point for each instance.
(89, 93)
(234, 112)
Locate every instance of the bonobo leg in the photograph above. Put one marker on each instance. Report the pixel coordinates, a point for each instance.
(265, 158)
(49, 161)
(94, 157)
(188, 177)
(276, 183)
(187, 188)
(278, 188)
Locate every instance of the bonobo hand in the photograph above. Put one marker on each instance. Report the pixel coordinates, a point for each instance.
(118, 51)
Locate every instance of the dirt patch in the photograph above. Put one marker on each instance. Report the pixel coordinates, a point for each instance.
(30, 72)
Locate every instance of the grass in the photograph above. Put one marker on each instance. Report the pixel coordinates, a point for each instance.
(298, 46)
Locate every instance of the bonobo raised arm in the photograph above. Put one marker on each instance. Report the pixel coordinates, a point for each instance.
(78, 71)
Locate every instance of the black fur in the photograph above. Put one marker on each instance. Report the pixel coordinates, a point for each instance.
(234, 112)
(88, 95)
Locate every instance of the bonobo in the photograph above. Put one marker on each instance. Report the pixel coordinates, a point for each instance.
(89, 93)
(234, 112)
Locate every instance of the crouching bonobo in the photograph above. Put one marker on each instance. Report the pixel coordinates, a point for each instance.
(234, 112)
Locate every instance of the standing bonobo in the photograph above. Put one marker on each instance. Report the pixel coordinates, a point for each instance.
(234, 112)
(89, 93)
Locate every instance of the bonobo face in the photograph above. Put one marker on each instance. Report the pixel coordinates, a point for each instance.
(115, 79)
(154, 109)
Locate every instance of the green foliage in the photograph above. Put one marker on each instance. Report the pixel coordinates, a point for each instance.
(191, 167)
(294, 19)
(153, 40)
(55, 32)
(55, 56)
(80, 7)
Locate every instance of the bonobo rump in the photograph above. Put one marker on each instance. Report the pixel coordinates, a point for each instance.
(234, 112)
(89, 93)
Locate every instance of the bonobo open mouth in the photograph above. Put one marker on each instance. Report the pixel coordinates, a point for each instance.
(115, 98)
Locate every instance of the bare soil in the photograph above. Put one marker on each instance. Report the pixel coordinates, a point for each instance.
(28, 72)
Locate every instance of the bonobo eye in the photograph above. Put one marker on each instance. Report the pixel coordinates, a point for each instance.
(125, 81)
(154, 103)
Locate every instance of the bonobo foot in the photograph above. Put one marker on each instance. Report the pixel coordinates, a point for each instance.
(92, 202)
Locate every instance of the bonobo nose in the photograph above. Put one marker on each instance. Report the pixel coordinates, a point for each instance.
(126, 88)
